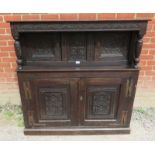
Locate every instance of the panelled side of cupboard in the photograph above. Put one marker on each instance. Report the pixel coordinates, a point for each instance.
(78, 77)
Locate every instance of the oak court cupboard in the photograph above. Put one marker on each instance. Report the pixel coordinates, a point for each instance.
(78, 77)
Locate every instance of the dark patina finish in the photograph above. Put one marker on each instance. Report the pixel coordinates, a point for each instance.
(78, 77)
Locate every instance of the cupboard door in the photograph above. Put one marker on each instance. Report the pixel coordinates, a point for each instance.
(100, 101)
(54, 102)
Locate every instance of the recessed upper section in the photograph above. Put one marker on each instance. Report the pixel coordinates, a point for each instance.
(78, 43)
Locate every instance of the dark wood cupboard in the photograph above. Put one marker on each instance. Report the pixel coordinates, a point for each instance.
(78, 77)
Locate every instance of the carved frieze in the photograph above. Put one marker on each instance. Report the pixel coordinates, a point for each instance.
(19, 27)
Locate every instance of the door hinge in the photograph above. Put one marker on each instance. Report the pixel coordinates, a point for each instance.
(27, 90)
(129, 86)
(124, 117)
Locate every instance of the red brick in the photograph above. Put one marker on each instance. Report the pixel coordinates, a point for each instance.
(102, 16)
(145, 51)
(152, 21)
(9, 69)
(149, 45)
(150, 34)
(6, 74)
(144, 15)
(14, 65)
(142, 72)
(9, 59)
(125, 15)
(12, 18)
(149, 27)
(1, 18)
(68, 16)
(151, 62)
(143, 62)
(2, 31)
(146, 67)
(150, 72)
(152, 40)
(50, 17)
(146, 39)
(153, 27)
(4, 25)
(147, 57)
(8, 48)
(87, 16)
(11, 79)
(4, 64)
(11, 43)
(12, 54)
(4, 54)
(31, 17)
(3, 43)
(6, 37)
(8, 31)
(1, 70)
(152, 52)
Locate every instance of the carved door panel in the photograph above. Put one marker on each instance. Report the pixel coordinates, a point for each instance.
(100, 101)
(54, 102)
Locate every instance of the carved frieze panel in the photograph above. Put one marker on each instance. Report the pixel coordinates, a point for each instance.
(55, 26)
(111, 44)
(76, 46)
(41, 46)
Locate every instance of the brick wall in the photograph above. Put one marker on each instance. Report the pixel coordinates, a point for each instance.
(8, 79)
